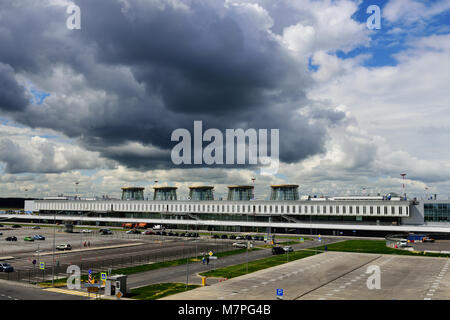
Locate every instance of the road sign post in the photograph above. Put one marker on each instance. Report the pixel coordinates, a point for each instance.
(280, 294)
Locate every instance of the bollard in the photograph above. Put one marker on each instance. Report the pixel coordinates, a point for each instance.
(203, 281)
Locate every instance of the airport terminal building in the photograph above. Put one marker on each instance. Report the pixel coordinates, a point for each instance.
(285, 212)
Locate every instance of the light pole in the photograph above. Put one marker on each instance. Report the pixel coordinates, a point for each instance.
(403, 175)
(54, 244)
(76, 189)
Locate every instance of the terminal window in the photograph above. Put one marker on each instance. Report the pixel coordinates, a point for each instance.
(436, 212)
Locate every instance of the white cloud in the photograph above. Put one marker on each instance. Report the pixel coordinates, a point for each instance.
(411, 11)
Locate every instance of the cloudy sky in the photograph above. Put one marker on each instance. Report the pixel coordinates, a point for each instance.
(355, 106)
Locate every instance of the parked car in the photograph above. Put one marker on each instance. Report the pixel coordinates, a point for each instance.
(427, 239)
(240, 245)
(106, 232)
(148, 232)
(215, 236)
(239, 238)
(196, 235)
(277, 250)
(404, 243)
(232, 237)
(6, 267)
(288, 249)
(86, 231)
(28, 239)
(176, 234)
(64, 246)
(17, 226)
(224, 236)
(13, 238)
(164, 233)
(38, 237)
(35, 227)
(248, 237)
(133, 231)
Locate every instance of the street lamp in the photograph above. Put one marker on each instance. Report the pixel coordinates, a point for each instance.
(54, 244)
(403, 175)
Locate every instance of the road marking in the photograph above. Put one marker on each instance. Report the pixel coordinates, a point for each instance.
(65, 291)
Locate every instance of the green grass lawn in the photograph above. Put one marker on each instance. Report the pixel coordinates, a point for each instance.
(373, 246)
(158, 291)
(241, 269)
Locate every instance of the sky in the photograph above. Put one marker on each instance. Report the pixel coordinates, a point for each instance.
(355, 106)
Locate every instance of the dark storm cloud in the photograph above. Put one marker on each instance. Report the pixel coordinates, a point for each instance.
(12, 94)
(204, 62)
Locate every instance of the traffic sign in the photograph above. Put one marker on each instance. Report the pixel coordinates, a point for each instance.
(211, 253)
(119, 294)
(103, 276)
(279, 292)
(42, 265)
(90, 271)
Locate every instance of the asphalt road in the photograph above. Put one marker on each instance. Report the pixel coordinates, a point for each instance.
(178, 273)
(17, 291)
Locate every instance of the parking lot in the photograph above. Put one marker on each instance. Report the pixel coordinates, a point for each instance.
(337, 276)
(116, 250)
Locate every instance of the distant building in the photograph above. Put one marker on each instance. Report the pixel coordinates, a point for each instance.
(132, 193)
(284, 192)
(165, 193)
(240, 193)
(201, 193)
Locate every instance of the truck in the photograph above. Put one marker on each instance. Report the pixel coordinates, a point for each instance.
(415, 237)
(158, 227)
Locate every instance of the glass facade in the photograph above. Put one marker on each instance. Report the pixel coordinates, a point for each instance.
(240, 193)
(437, 212)
(201, 193)
(284, 193)
(169, 193)
(132, 193)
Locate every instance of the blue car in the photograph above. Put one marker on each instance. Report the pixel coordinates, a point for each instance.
(38, 237)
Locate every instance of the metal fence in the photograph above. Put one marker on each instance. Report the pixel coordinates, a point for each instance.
(36, 275)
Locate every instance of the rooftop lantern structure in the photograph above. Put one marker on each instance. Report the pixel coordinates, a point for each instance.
(240, 193)
(201, 193)
(165, 193)
(133, 193)
(284, 192)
